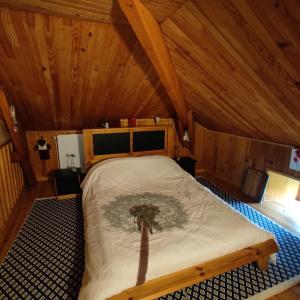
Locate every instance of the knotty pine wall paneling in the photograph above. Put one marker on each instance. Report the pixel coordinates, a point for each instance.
(204, 139)
(11, 184)
(4, 136)
(43, 169)
(228, 157)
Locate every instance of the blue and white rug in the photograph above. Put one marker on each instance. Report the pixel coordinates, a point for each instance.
(46, 261)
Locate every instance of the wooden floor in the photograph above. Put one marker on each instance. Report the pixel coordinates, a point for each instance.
(290, 294)
(272, 209)
(280, 213)
(233, 190)
(41, 190)
(46, 189)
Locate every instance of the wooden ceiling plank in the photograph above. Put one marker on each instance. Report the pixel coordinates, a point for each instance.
(163, 9)
(236, 78)
(267, 65)
(285, 70)
(154, 98)
(150, 36)
(257, 82)
(89, 72)
(276, 17)
(45, 53)
(258, 25)
(66, 9)
(99, 10)
(100, 71)
(33, 71)
(245, 90)
(208, 80)
(84, 72)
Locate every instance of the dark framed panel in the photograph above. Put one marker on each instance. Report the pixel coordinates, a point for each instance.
(148, 140)
(111, 143)
(104, 143)
(254, 184)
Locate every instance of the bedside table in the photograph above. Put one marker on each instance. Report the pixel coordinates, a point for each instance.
(188, 164)
(67, 183)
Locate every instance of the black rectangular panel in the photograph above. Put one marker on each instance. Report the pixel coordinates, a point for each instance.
(188, 164)
(148, 140)
(111, 143)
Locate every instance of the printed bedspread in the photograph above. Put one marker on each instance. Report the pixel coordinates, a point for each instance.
(145, 217)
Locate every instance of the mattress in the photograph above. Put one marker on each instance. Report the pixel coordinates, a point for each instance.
(145, 217)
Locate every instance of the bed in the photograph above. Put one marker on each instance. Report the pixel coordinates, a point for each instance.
(151, 229)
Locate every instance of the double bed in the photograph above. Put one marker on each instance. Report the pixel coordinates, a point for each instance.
(151, 229)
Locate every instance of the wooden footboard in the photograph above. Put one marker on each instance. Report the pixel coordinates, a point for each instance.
(175, 281)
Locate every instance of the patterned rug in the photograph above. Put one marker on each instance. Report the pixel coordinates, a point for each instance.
(47, 259)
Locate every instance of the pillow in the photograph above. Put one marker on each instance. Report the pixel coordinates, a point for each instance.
(134, 171)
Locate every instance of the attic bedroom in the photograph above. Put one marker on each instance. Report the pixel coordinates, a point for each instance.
(150, 149)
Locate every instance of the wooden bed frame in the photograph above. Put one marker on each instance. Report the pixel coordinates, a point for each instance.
(91, 158)
(258, 253)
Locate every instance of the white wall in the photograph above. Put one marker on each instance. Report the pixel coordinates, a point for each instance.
(70, 144)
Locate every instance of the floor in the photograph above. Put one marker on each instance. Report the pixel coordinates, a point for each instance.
(273, 209)
(282, 214)
(290, 294)
(41, 190)
(46, 189)
(280, 203)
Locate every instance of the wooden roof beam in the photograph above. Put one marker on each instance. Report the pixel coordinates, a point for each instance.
(18, 138)
(151, 38)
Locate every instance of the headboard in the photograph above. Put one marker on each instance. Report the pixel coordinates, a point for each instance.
(101, 144)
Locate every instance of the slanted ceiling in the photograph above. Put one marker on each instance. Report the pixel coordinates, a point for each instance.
(238, 63)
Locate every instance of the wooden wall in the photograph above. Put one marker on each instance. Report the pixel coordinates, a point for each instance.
(224, 155)
(228, 156)
(43, 169)
(4, 137)
(281, 188)
(11, 184)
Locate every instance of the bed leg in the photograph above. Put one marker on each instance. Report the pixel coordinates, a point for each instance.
(263, 263)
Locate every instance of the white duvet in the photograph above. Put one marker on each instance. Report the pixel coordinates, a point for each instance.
(191, 225)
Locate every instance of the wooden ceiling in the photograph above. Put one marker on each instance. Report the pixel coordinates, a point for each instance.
(96, 10)
(238, 63)
(68, 74)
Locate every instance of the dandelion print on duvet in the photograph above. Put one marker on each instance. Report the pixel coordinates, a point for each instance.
(146, 213)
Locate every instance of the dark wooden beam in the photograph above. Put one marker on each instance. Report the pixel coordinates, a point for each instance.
(191, 131)
(151, 38)
(18, 138)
